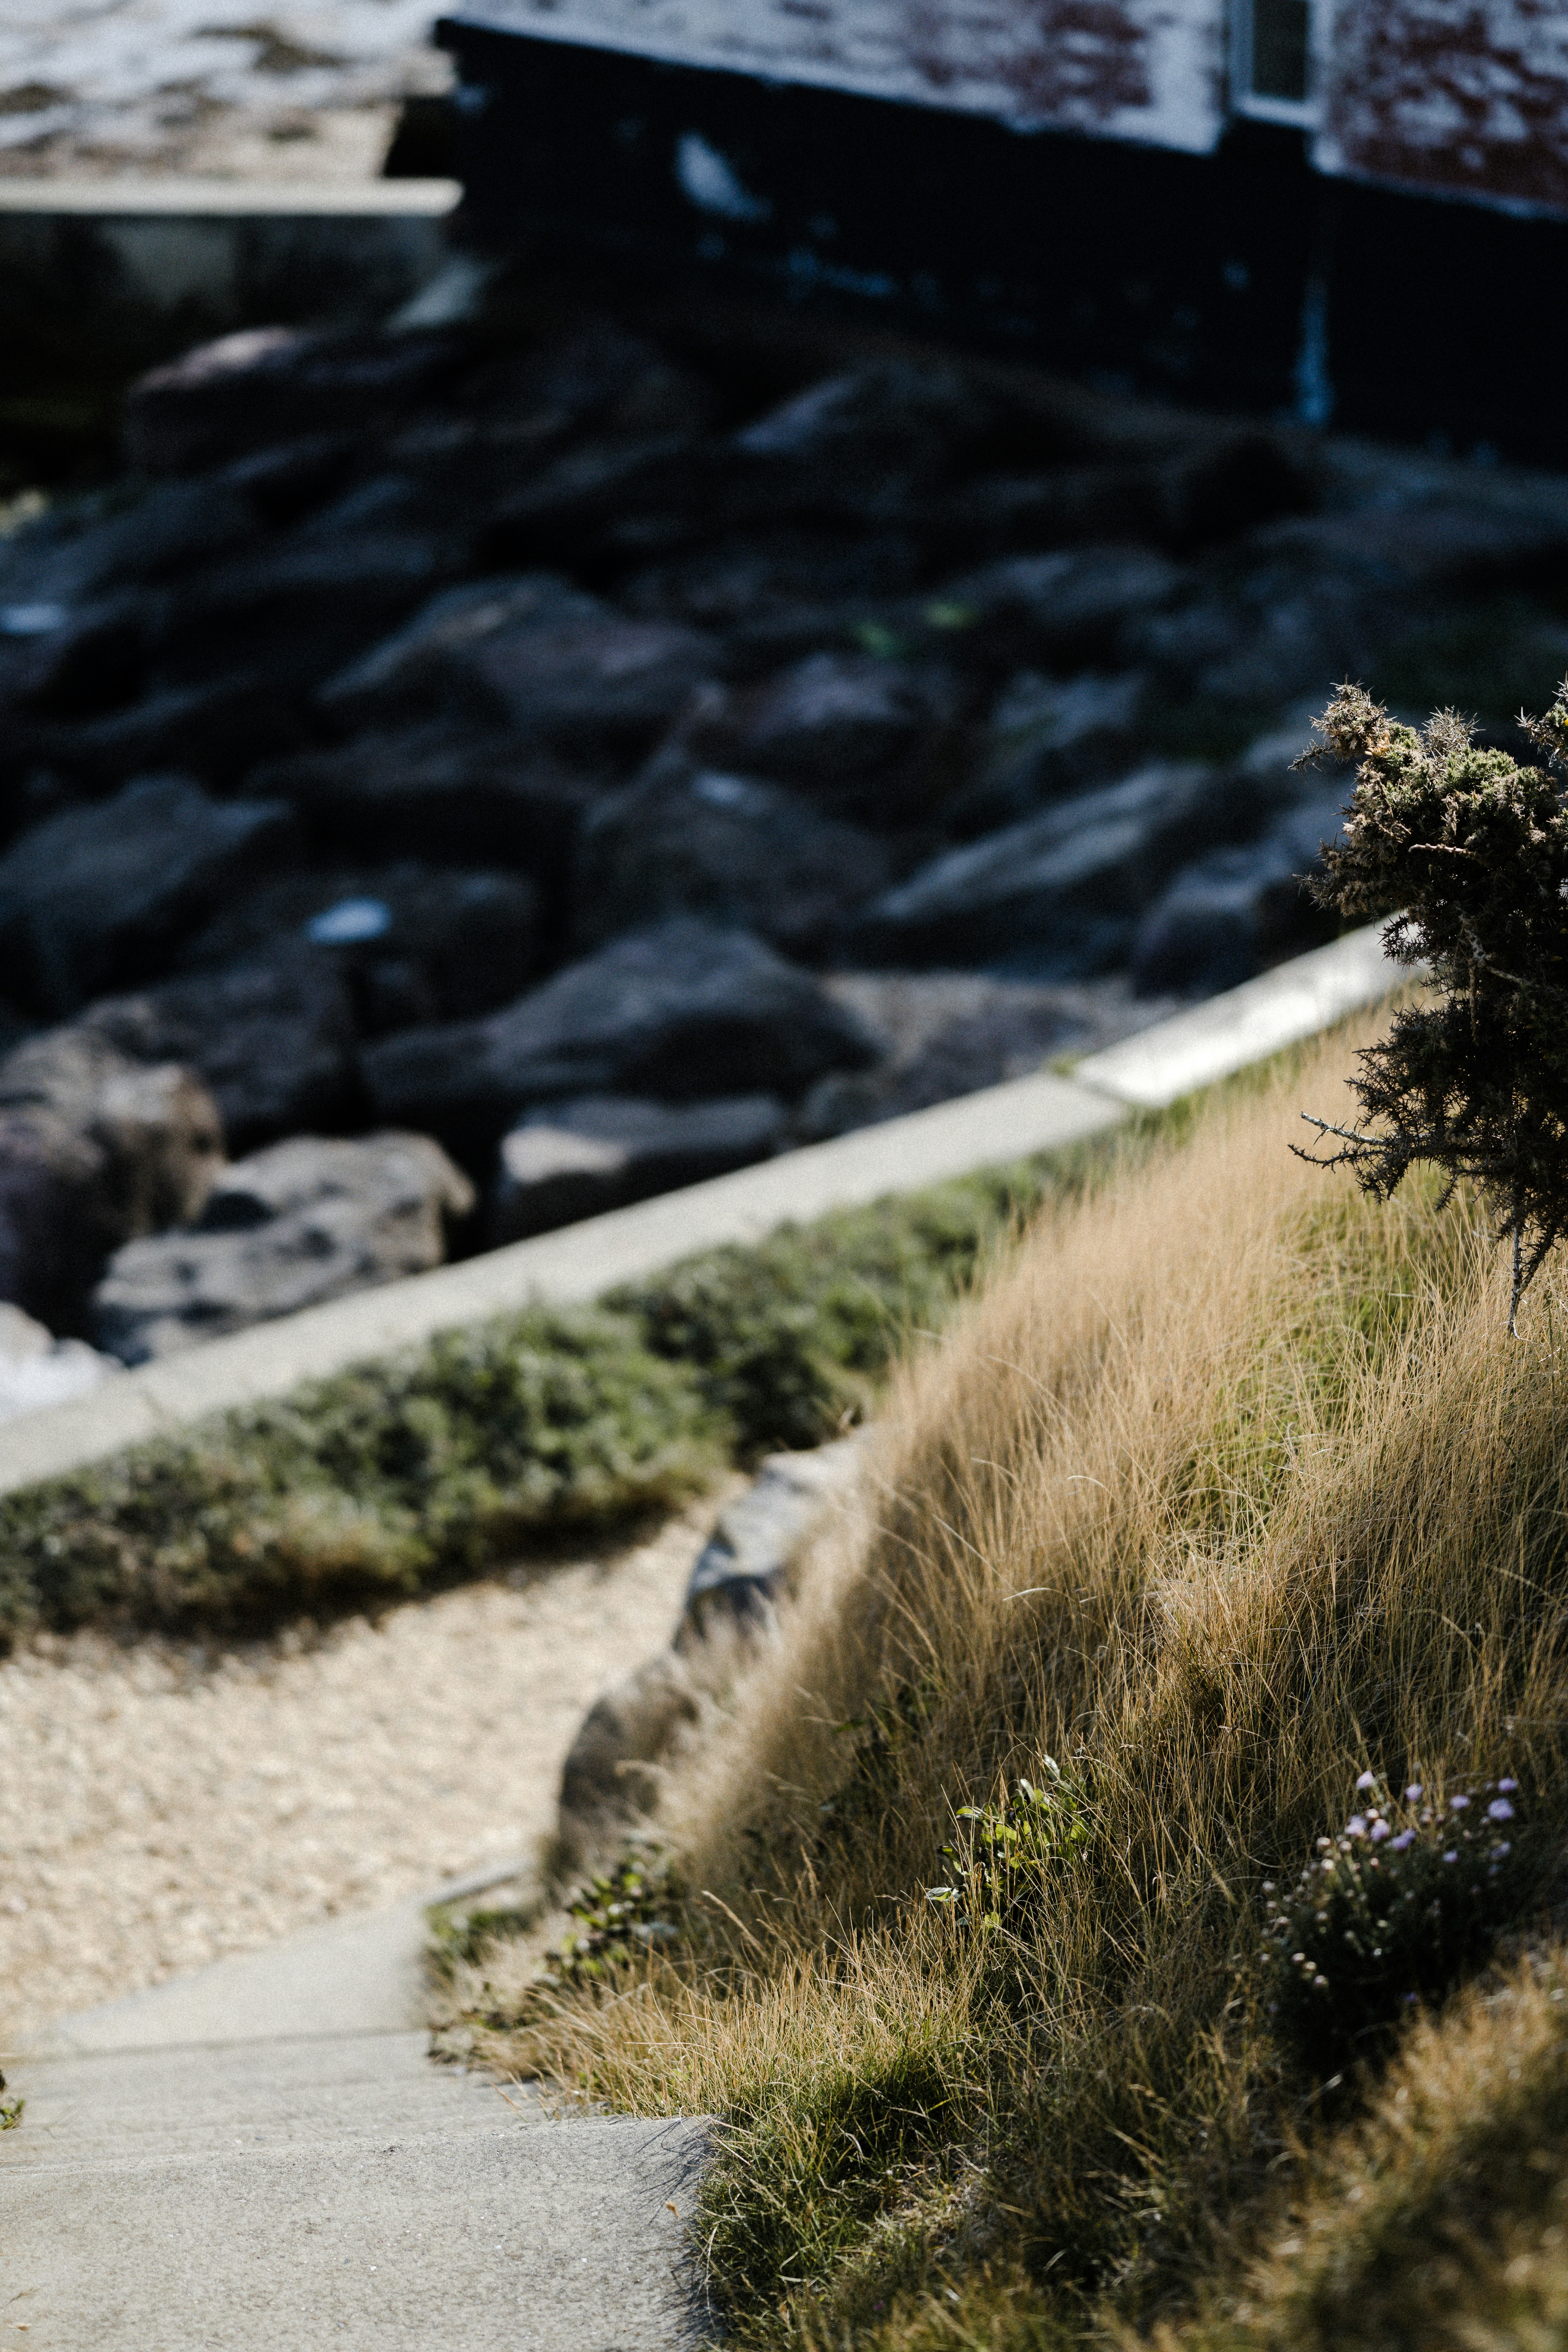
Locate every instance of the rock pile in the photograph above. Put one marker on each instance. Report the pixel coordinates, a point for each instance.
(485, 775)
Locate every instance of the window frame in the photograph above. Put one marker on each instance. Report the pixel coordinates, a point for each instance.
(1297, 113)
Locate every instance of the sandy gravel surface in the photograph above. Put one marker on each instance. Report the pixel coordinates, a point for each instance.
(163, 1805)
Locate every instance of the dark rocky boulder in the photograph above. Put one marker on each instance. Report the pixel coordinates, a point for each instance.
(415, 943)
(1046, 737)
(1058, 610)
(1228, 915)
(1219, 480)
(273, 1040)
(874, 738)
(308, 599)
(89, 551)
(682, 1011)
(598, 376)
(1287, 607)
(1062, 890)
(211, 729)
(861, 444)
(480, 793)
(750, 581)
(309, 1220)
(67, 661)
(725, 847)
(101, 895)
(578, 1159)
(535, 654)
(265, 384)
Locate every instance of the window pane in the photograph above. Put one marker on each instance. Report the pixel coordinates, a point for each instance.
(1279, 48)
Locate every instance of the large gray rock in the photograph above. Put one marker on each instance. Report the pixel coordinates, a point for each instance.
(306, 600)
(483, 795)
(534, 653)
(577, 1159)
(262, 385)
(948, 1034)
(1071, 605)
(157, 1125)
(861, 443)
(725, 847)
(94, 1149)
(1046, 736)
(71, 661)
(414, 942)
(743, 1569)
(81, 552)
(303, 1222)
(212, 727)
(273, 1040)
(1228, 915)
(615, 1767)
(102, 895)
(1063, 889)
(877, 737)
(1207, 483)
(1291, 607)
(682, 1011)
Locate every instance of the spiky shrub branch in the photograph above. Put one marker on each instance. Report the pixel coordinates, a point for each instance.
(1466, 854)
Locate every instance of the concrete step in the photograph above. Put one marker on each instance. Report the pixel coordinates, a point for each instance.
(263, 2152)
(344, 2192)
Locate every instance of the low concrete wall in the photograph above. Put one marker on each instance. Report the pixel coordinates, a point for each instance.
(979, 1130)
(148, 266)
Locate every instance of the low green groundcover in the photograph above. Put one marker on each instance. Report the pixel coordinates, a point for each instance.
(419, 1468)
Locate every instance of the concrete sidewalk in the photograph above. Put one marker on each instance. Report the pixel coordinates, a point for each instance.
(338, 2192)
(262, 2153)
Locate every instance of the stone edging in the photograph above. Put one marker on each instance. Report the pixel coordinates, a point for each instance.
(1031, 1115)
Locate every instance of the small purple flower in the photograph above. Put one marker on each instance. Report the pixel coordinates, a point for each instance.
(1458, 1804)
(1452, 1856)
(1498, 1850)
(1356, 1825)
(1405, 1838)
(1367, 1781)
(1500, 1809)
(1413, 1793)
(1379, 1831)
(1508, 1787)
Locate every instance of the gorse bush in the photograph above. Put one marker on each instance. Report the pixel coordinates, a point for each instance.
(1392, 1910)
(1467, 853)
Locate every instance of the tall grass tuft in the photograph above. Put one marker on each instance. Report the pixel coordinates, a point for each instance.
(1227, 1491)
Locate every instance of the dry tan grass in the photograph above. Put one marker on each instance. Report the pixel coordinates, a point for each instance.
(1228, 1486)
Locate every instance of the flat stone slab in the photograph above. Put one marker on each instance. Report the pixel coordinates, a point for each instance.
(336, 2192)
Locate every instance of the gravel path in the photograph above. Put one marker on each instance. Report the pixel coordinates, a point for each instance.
(162, 1804)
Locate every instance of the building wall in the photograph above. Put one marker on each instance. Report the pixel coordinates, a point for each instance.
(1463, 98)
(1150, 70)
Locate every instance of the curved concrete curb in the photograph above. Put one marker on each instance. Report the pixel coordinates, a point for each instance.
(1032, 1114)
